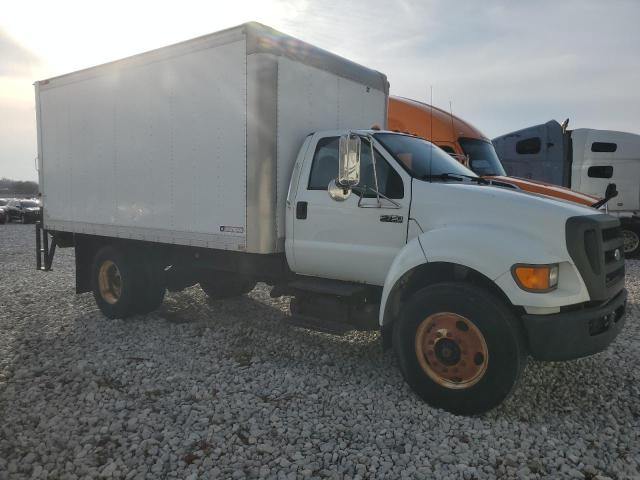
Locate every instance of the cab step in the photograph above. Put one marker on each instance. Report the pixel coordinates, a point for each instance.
(318, 324)
(325, 286)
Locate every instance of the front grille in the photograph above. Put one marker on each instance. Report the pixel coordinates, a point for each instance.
(596, 246)
(613, 243)
(611, 233)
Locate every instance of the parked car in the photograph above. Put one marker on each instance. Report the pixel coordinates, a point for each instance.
(23, 211)
(3, 211)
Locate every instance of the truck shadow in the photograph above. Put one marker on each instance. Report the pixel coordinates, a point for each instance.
(541, 393)
(251, 331)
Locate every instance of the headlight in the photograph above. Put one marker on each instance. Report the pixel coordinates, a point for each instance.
(536, 278)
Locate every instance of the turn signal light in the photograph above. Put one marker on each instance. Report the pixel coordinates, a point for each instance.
(536, 278)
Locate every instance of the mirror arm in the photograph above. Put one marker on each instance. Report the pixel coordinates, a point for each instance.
(375, 170)
(379, 195)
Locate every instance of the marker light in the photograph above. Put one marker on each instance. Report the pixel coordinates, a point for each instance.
(536, 278)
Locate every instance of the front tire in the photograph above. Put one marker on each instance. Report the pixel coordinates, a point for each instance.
(459, 347)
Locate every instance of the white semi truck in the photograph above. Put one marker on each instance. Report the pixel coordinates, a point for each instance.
(586, 160)
(246, 156)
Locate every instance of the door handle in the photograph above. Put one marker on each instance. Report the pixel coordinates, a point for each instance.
(301, 210)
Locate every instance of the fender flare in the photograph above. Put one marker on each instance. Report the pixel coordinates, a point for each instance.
(487, 251)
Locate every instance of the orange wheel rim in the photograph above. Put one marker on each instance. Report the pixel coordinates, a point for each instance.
(109, 282)
(451, 350)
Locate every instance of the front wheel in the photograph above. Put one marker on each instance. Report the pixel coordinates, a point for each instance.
(459, 347)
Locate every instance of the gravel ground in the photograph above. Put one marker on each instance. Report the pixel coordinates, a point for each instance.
(228, 390)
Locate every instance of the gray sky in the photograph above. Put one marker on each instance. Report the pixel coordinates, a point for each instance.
(504, 65)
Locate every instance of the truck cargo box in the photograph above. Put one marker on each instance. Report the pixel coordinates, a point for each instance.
(194, 143)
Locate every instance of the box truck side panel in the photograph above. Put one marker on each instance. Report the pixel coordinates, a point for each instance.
(310, 99)
(150, 150)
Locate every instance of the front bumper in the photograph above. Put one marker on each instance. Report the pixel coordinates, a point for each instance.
(575, 334)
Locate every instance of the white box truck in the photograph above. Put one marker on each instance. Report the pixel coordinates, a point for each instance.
(246, 156)
(586, 160)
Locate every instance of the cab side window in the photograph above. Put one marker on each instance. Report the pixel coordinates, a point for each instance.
(529, 146)
(325, 168)
(325, 164)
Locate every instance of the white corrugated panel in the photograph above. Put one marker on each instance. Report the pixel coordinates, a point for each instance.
(158, 147)
(311, 100)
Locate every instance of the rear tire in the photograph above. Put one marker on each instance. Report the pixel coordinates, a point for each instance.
(116, 282)
(459, 347)
(153, 284)
(221, 285)
(631, 235)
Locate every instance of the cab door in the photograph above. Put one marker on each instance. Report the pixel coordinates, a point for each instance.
(355, 239)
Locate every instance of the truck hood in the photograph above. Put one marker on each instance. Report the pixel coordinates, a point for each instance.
(446, 204)
(543, 188)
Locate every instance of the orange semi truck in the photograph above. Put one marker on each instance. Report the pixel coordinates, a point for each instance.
(466, 143)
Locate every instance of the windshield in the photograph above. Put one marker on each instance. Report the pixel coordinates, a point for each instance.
(2, 202)
(420, 158)
(483, 159)
(28, 204)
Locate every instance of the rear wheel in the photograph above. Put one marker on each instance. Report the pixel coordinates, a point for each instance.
(459, 347)
(631, 236)
(120, 280)
(220, 285)
(153, 284)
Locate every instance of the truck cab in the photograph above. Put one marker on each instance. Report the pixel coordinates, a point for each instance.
(454, 260)
(470, 146)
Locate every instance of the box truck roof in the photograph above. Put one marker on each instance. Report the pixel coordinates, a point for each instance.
(259, 39)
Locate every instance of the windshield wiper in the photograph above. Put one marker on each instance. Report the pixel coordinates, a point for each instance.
(455, 176)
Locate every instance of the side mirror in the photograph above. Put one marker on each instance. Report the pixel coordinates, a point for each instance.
(337, 192)
(611, 191)
(349, 161)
